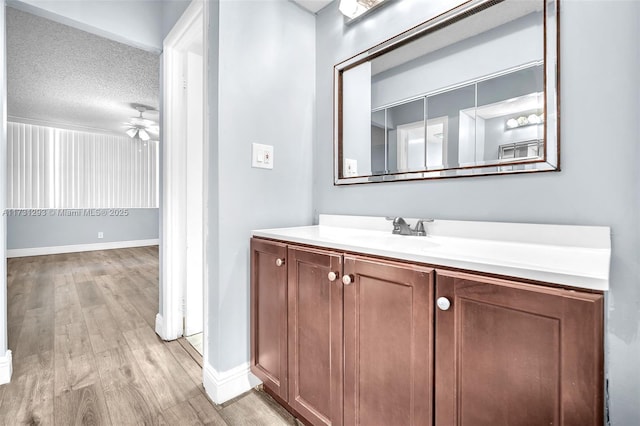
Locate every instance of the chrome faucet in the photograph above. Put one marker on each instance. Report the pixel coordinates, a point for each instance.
(401, 227)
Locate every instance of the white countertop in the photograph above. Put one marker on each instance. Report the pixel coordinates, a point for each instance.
(576, 256)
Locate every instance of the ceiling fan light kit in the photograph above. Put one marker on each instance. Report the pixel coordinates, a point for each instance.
(142, 128)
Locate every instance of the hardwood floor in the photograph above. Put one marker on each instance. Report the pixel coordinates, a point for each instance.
(81, 328)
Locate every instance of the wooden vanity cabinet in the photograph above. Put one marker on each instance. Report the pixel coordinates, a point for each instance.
(388, 338)
(358, 353)
(509, 353)
(315, 334)
(345, 339)
(269, 314)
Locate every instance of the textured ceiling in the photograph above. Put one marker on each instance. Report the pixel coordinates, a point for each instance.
(61, 75)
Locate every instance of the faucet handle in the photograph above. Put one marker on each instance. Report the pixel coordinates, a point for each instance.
(419, 229)
(398, 222)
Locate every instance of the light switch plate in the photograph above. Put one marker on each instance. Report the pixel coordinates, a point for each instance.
(350, 167)
(261, 156)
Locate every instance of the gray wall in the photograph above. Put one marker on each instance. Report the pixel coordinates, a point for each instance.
(265, 94)
(171, 12)
(51, 231)
(212, 187)
(599, 183)
(142, 24)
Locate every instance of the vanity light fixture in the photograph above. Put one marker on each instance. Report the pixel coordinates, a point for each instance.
(353, 9)
(522, 121)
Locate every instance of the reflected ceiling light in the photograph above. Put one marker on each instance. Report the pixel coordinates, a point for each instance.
(354, 8)
(522, 121)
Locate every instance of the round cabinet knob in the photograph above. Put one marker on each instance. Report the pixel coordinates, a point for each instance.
(332, 276)
(443, 303)
(279, 262)
(347, 279)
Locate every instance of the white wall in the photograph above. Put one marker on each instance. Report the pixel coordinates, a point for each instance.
(266, 95)
(600, 179)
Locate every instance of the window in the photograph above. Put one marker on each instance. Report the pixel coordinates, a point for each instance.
(57, 168)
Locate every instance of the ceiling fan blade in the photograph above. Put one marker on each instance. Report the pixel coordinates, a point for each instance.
(132, 132)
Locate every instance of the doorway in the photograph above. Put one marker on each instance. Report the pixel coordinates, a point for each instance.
(184, 182)
(194, 283)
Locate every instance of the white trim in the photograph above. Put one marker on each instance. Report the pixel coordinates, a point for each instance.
(173, 262)
(182, 27)
(6, 368)
(205, 186)
(4, 345)
(77, 248)
(160, 331)
(159, 326)
(222, 387)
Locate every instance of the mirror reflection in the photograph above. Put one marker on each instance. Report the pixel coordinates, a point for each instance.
(469, 94)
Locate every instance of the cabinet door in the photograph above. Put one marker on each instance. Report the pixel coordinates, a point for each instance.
(388, 337)
(509, 353)
(315, 335)
(269, 314)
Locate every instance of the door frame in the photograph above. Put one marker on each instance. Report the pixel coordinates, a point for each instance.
(169, 321)
(6, 364)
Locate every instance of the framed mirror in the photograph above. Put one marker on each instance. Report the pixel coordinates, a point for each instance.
(471, 92)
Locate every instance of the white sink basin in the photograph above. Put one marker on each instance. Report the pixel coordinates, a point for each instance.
(576, 256)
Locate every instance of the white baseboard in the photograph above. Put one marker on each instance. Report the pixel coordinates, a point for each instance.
(6, 368)
(41, 251)
(222, 387)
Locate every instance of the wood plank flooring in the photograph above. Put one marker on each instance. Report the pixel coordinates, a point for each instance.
(81, 328)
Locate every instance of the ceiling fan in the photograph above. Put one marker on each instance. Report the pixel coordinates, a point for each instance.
(142, 128)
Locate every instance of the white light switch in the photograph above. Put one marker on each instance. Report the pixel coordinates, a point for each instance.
(262, 156)
(350, 167)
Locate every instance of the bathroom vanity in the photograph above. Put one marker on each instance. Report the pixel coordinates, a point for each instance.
(476, 323)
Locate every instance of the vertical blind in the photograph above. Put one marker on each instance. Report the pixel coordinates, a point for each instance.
(59, 169)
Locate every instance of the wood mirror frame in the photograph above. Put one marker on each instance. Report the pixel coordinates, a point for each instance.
(547, 160)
